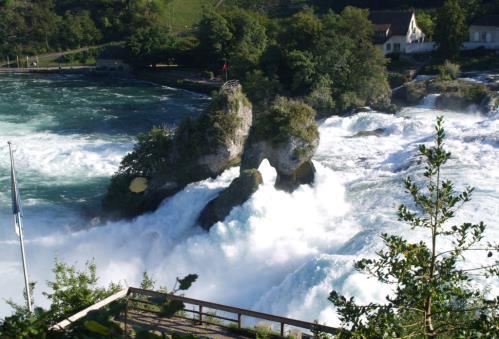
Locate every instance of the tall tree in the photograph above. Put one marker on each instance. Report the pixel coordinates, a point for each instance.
(433, 294)
(451, 29)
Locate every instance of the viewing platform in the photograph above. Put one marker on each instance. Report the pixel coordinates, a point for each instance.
(143, 309)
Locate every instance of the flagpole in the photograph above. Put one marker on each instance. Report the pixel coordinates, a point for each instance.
(18, 225)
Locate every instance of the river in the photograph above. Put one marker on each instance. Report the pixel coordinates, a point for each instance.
(280, 253)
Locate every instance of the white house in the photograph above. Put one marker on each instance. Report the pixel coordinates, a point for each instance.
(398, 32)
(484, 32)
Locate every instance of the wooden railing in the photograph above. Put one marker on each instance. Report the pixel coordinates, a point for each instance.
(137, 295)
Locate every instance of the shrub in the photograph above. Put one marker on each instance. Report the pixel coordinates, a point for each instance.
(476, 93)
(448, 71)
(285, 118)
(208, 75)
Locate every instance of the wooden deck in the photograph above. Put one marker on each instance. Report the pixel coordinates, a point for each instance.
(141, 310)
(160, 325)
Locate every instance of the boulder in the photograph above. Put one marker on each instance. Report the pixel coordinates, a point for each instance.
(410, 94)
(239, 191)
(462, 96)
(455, 95)
(199, 149)
(490, 103)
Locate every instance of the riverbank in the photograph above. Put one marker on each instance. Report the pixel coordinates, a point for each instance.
(50, 70)
(188, 79)
(87, 70)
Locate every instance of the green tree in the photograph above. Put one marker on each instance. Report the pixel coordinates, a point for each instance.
(434, 295)
(214, 37)
(149, 45)
(78, 29)
(44, 23)
(71, 292)
(301, 31)
(355, 67)
(74, 290)
(426, 21)
(451, 29)
(249, 41)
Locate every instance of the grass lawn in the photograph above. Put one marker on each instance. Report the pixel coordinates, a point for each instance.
(185, 14)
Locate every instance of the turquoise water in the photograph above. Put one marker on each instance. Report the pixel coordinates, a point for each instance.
(69, 134)
(70, 131)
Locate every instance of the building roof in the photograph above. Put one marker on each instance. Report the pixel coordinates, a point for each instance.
(487, 20)
(399, 21)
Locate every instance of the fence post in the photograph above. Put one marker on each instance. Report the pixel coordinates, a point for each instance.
(282, 329)
(201, 314)
(126, 318)
(239, 320)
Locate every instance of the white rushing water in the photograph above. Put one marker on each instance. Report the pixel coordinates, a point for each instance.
(280, 253)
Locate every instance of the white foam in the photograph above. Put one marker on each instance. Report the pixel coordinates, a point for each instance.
(279, 252)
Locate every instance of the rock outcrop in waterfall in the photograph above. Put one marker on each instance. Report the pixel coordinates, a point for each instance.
(455, 95)
(227, 134)
(287, 136)
(169, 160)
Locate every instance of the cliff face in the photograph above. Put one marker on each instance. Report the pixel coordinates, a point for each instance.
(198, 149)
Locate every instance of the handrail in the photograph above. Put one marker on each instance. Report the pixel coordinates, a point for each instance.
(239, 311)
(230, 84)
(66, 322)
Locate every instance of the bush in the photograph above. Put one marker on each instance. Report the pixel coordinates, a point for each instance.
(476, 94)
(285, 118)
(208, 75)
(448, 71)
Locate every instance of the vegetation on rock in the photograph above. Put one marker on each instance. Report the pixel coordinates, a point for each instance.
(286, 118)
(456, 95)
(198, 149)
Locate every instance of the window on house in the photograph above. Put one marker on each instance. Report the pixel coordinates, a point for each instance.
(396, 47)
(488, 37)
(483, 37)
(476, 36)
(388, 47)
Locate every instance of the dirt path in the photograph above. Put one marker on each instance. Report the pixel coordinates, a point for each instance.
(53, 55)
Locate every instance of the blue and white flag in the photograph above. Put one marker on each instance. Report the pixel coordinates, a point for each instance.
(16, 202)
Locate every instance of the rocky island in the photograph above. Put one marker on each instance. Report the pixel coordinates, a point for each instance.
(228, 133)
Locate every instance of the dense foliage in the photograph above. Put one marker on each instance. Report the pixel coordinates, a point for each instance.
(285, 118)
(434, 295)
(70, 292)
(451, 28)
(330, 60)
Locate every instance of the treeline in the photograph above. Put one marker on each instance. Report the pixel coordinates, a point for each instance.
(320, 51)
(328, 60)
(32, 27)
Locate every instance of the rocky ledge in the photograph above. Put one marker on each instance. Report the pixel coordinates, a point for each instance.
(455, 95)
